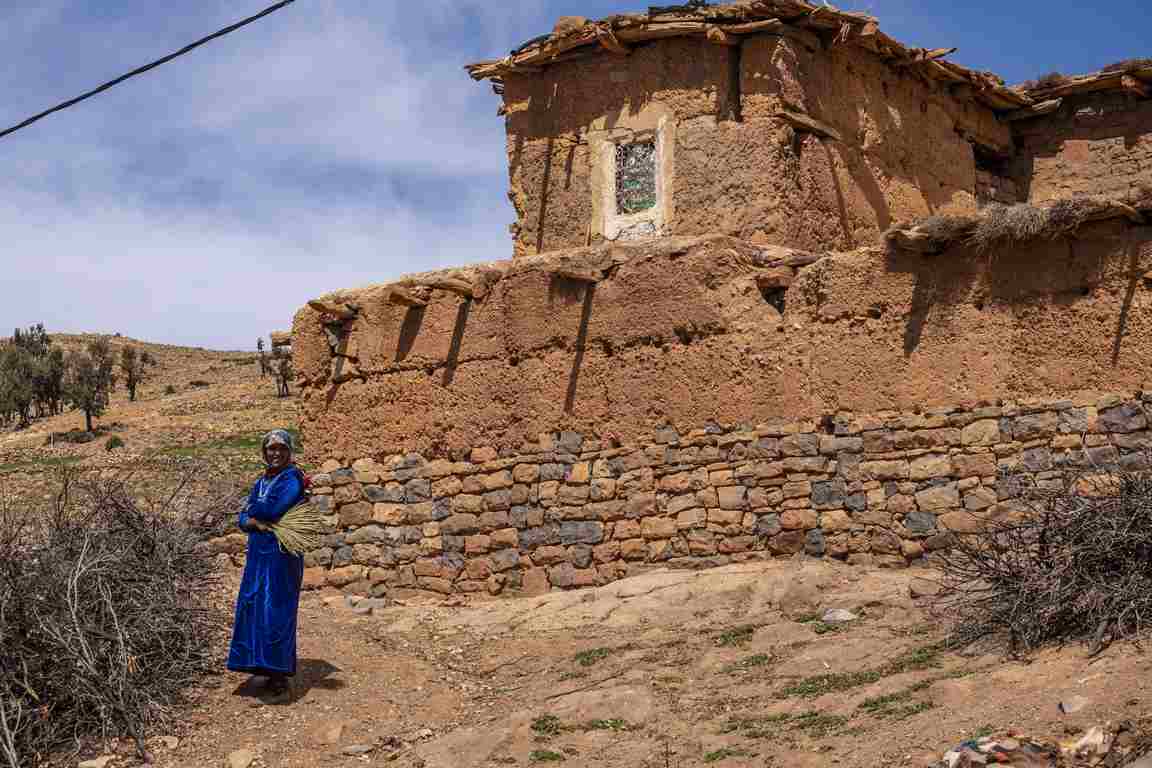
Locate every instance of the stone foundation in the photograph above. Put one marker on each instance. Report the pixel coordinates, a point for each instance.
(573, 511)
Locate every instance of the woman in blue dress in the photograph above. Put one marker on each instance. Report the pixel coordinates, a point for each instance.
(264, 633)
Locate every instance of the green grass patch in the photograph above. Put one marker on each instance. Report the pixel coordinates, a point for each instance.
(983, 731)
(589, 658)
(574, 674)
(725, 753)
(736, 636)
(818, 725)
(546, 756)
(819, 685)
(759, 660)
(40, 462)
(547, 726)
(613, 724)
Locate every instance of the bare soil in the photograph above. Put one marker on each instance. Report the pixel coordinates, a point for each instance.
(723, 667)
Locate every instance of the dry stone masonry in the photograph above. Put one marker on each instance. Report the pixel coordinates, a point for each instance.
(572, 511)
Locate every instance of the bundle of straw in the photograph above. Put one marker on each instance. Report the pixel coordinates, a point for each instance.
(300, 529)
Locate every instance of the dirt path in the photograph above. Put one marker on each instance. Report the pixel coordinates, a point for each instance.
(671, 669)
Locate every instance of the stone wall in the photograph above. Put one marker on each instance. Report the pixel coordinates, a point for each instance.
(890, 145)
(1097, 145)
(572, 511)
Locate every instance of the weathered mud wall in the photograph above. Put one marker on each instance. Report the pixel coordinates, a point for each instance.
(571, 511)
(730, 160)
(686, 332)
(1095, 145)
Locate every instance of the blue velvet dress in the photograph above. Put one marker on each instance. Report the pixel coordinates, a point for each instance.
(264, 633)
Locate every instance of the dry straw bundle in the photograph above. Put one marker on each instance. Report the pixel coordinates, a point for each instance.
(300, 529)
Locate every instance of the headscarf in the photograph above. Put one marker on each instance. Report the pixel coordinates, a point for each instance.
(279, 437)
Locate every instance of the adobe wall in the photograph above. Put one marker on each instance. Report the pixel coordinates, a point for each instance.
(688, 331)
(1095, 145)
(729, 162)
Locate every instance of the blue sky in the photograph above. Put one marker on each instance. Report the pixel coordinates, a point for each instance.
(335, 143)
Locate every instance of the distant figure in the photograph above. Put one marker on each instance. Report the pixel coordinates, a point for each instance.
(264, 633)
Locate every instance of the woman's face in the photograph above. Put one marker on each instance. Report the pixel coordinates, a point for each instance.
(276, 456)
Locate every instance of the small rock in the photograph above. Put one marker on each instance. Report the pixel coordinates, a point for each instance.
(923, 588)
(1073, 704)
(1143, 762)
(335, 734)
(356, 750)
(170, 742)
(424, 734)
(838, 616)
(99, 762)
(241, 758)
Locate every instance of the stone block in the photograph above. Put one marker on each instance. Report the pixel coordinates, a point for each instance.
(834, 520)
(459, 525)
(732, 497)
(725, 517)
(640, 505)
(814, 543)
(432, 584)
(573, 532)
(798, 519)
(1129, 417)
(634, 549)
(477, 545)
(974, 464)
(1034, 426)
(550, 555)
(920, 523)
(603, 489)
(768, 525)
(496, 500)
(930, 466)
(505, 538)
(526, 473)
(539, 536)
(939, 497)
(535, 582)
(829, 495)
(626, 529)
(983, 432)
(468, 503)
(355, 514)
(788, 542)
(658, 527)
(884, 470)
(979, 499)
(806, 444)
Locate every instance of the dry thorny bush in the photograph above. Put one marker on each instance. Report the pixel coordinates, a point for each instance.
(1076, 565)
(107, 614)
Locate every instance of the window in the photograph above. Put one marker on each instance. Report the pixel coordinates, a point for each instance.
(635, 177)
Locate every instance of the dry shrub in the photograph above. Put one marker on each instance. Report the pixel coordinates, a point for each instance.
(1007, 224)
(948, 229)
(106, 617)
(1049, 80)
(1075, 566)
(1068, 215)
(1128, 65)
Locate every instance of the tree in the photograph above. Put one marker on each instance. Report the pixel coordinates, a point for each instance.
(135, 366)
(89, 380)
(17, 388)
(263, 359)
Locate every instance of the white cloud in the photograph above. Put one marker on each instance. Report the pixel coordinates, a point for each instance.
(204, 202)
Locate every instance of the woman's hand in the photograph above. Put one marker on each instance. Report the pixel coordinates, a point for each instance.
(255, 525)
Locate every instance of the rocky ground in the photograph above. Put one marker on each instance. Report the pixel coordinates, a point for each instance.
(729, 667)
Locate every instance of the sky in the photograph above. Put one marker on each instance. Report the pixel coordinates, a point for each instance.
(335, 143)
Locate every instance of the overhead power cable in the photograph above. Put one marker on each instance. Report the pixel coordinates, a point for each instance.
(141, 70)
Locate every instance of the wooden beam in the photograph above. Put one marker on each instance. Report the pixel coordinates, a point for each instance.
(403, 295)
(802, 122)
(1133, 86)
(340, 311)
(1036, 110)
(774, 27)
(577, 274)
(456, 285)
(718, 36)
(608, 41)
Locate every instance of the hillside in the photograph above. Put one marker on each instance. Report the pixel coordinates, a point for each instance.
(199, 404)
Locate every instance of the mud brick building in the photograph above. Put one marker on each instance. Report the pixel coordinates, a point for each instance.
(779, 284)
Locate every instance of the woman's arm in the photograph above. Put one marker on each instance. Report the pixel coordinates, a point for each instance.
(244, 520)
(283, 496)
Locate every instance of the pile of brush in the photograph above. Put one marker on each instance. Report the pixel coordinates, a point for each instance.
(107, 616)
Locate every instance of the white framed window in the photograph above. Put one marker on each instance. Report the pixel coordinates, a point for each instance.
(634, 205)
